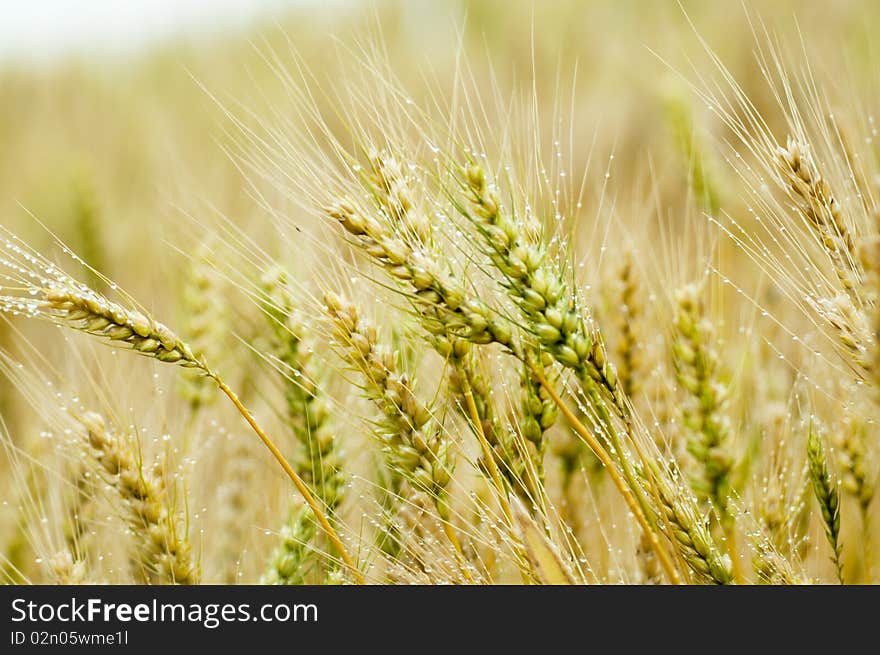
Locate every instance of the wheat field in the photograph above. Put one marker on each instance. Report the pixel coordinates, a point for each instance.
(447, 293)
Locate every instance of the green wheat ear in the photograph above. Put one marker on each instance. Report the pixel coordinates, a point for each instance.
(697, 368)
(318, 457)
(827, 495)
(45, 291)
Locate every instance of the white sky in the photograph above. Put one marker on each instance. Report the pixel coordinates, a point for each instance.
(39, 29)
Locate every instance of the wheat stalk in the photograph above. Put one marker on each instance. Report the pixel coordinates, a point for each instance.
(66, 570)
(691, 535)
(629, 345)
(820, 208)
(206, 325)
(413, 442)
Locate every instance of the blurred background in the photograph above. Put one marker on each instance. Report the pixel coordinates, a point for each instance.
(111, 133)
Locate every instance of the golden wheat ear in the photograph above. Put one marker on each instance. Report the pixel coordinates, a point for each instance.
(164, 555)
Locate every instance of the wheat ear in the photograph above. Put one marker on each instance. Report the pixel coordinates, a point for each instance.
(827, 497)
(318, 458)
(164, 555)
(818, 205)
(697, 364)
(550, 310)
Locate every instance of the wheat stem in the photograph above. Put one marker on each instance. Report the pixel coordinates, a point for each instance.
(298, 482)
(449, 531)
